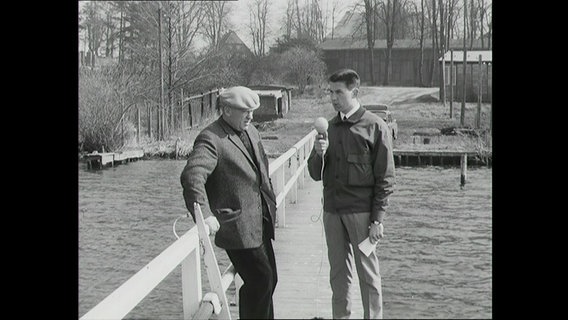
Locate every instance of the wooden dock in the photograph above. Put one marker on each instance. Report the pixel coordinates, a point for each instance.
(303, 290)
(97, 160)
(436, 157)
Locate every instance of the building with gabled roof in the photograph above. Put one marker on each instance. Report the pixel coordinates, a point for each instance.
(233, 44)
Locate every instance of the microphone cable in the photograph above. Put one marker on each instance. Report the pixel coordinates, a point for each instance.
(318, 218)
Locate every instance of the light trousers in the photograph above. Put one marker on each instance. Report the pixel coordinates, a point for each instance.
(343, 233)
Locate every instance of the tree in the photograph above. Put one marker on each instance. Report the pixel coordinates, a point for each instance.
(307, 20)
(93, 23)
(335, 7)
(422, 27)
(301, 66)
(215, 22)
(390, 11)
(286, 43)
(258, 25)
(371, 27)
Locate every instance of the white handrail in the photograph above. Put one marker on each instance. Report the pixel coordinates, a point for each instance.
(120, 302)
(185, 251)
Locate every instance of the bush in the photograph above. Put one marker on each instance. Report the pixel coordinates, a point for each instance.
(302, 67)
(99, 115)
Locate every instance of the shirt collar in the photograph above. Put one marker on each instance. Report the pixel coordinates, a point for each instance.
(237, 132)
(352, 111)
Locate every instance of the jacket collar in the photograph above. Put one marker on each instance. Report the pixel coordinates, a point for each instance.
(352, 119)
(232, 134)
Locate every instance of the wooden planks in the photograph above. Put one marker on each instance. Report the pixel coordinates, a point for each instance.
(303, 290)
(97, 160)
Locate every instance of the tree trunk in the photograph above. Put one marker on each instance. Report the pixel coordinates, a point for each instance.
(464, 89)
(170, 74)
(161, 133)
(421, 62)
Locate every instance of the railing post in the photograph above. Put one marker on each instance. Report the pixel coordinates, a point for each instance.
(301, 157)
(191, 283)
(281, 212)
(238, 284)
(308, 150)
(293, 167)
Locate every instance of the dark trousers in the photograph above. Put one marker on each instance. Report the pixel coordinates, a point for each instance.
(257, 268)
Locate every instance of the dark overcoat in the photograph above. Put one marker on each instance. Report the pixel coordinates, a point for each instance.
(222, 177)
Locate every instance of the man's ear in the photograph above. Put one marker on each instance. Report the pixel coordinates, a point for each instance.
(226, 110)
(355, 92)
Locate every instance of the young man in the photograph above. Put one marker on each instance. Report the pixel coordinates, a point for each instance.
(227, 174)
(358, 177)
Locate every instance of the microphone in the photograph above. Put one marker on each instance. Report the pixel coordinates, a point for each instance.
(321, 125)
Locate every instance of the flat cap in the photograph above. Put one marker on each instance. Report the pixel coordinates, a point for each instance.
(239, 98)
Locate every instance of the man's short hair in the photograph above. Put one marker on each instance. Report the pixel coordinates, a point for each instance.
(347, 76)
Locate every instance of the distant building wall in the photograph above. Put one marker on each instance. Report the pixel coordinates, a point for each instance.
(404, 68)
(472, 82)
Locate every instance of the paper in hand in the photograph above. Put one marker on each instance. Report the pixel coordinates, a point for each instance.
(367, 247)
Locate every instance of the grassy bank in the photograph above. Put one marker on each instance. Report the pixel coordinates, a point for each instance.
(421, 118)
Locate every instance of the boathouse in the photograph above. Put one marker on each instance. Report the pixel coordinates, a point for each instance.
(275, 101)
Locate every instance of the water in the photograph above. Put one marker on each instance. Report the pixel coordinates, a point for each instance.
(437, 263)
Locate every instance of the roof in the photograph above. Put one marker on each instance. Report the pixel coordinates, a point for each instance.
(232, 38)
(355, 43)
(264, 93)
(470, 56)
(270, 87)
(376, 107)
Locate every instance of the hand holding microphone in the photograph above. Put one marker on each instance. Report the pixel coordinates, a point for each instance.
(321, 142)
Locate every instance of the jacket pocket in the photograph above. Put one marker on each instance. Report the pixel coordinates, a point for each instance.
(225, 215)
(360, 170)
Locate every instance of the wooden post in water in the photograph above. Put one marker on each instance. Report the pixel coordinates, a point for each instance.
(463, 164)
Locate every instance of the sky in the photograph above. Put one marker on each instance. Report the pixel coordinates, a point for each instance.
(239, 17)
(277, 10)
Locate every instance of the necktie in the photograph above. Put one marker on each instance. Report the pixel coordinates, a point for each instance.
(344, 118)
(246, 141)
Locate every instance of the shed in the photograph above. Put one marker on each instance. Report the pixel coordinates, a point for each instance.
(472, 74)
(275, 101)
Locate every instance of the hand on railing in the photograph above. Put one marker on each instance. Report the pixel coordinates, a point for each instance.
(213, 224)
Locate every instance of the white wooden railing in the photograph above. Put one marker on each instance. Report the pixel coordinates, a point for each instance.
(287, 172)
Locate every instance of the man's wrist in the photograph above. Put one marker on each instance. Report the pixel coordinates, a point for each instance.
(376, 222)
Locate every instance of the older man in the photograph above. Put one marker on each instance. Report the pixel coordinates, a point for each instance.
(227, 174)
